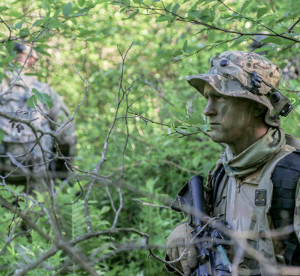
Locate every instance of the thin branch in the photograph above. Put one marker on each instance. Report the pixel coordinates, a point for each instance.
(292, 27)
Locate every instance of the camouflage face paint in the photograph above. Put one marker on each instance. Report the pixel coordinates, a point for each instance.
(232, 120)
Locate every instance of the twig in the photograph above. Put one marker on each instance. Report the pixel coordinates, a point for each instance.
(151, 204)
(292, 27)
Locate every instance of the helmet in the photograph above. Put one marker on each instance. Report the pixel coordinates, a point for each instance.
(246, 75)
(20, 47)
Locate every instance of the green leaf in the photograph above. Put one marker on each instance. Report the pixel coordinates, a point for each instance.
(178, 110)
(163, 18)
(239, 40)
(245, 5)
(30, 101)
(168, 8)
(3, 9)
(38, 22)
(66, 9)
(15, 13)
(175, 8)
(132, 15)
(196, 160)
(264, 48)
(2, 135)
(193, 14)
(46, 5)
(185, 46)
(19, 24)
(261, 12)
(42, 51)
(81, 2)
(24, 32)
(43, 97)
(276, 40)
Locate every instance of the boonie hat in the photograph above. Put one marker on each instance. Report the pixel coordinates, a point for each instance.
(246, 75)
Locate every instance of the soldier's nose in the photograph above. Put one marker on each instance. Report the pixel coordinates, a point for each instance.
(209, 109)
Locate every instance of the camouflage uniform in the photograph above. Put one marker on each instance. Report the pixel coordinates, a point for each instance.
(241, 187)
(22, 159)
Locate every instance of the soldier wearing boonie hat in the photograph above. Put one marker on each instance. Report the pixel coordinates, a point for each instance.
(23, 161)
(25, 49)
(255, 184)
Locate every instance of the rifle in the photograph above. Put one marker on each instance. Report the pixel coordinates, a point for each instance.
(212, 258)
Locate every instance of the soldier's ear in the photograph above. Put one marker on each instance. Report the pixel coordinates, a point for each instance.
(259, 110)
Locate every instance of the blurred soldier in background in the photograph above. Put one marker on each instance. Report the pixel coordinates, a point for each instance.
(29, 155)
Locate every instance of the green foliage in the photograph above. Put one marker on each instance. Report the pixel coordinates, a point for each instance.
(172, 39)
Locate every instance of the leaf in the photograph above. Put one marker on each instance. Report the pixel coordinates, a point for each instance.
(264, 48)
(245, 5)
(239, 40)
(3, 9)
(30, 101)
(168, 8)
(163, 18)
(19, 24)
(175, 8)
(37, 22)
(43, 97)
(81, 2)
(46, 5)
(196, 160)
(185, 46)
(178, 110)
(261, 12)
(66, 9)
(276, 40)
(2, 135)
(42, 51)
(132, 15)
(193, 14)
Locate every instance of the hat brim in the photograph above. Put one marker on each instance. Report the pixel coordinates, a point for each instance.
(226, 87)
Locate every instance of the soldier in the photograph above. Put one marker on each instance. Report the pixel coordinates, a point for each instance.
(255, 184)
(27, 155)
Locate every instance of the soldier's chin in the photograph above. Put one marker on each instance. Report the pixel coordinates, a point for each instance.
(216, 137)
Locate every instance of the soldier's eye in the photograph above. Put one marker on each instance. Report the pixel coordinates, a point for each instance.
(220, 98)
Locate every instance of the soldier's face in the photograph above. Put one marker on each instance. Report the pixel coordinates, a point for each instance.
(231, 119)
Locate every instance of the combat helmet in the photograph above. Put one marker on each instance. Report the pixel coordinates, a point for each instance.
(246, 75)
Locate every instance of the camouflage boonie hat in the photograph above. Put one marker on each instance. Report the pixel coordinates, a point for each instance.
(246, 75)
(25, 49)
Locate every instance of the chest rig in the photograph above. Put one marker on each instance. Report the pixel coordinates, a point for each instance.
(275, 200)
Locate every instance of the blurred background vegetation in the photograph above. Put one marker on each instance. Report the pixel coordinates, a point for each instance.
(167, 144)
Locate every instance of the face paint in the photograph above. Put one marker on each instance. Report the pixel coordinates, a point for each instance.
(232, 120)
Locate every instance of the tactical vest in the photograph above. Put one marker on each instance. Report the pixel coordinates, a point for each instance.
(19, 153)
(272, 179)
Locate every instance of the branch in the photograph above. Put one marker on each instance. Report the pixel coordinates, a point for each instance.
(292, 27)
